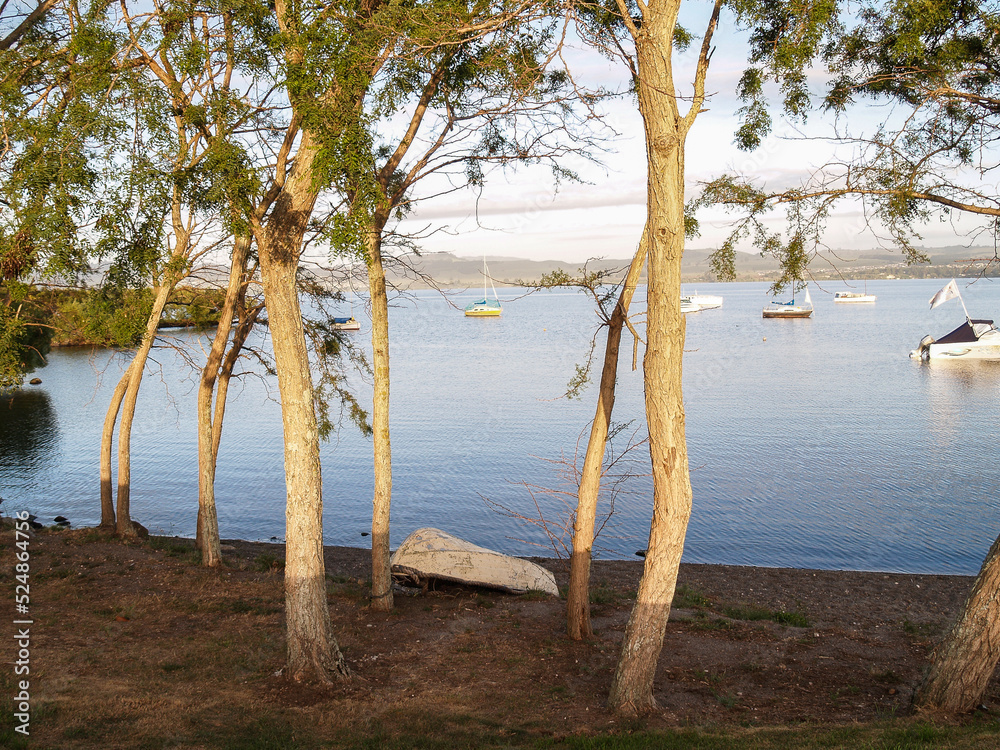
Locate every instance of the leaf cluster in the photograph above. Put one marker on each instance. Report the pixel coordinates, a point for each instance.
(25, 333)
(785, 37)
(936, 64)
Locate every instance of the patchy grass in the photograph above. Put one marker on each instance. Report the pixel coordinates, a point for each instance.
(688, 598)
(754, 613)
(268, 562)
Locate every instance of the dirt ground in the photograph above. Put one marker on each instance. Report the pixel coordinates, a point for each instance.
(138, 644)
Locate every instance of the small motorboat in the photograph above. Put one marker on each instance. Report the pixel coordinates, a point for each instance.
(703, 301)
(687, 306)
(854, 297)
(346, 324)
(790, 309)
(974, 339)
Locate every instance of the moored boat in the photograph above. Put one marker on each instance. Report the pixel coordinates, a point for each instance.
(854, 297)
(789, 309)
(687, 306)
(974, 339)
(346, 324)
(704, 301)
(486, 307)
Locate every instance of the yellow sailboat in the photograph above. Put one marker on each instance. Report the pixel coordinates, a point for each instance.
(486, 307)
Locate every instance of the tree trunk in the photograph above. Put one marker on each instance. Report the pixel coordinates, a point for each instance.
(107, 446)
(247, 321)
(381, 574)
(208, 520)
(963, 664)
(632, 687)
(578, 599)
(312, 650)
(124, 521)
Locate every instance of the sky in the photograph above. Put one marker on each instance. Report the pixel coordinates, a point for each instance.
(522, 216)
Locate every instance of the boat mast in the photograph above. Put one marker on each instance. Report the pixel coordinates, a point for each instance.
(496, 297)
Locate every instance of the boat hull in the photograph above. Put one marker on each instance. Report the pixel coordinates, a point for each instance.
(483, 313)
(790, 313)
(971, 350)
(705, 301)
(967, 351)
(431, 554)
(853, 297)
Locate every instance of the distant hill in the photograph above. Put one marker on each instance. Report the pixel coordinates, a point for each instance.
(450, 271)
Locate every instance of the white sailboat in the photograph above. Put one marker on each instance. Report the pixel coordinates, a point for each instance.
(790, 309)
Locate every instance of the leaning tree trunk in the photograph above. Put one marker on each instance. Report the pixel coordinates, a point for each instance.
(208, 519)
(381, 574)
(124, 521)
(312, 650)
(963, 664)
(107, 449)
(632, 686)
(248, 320)
(578, 598)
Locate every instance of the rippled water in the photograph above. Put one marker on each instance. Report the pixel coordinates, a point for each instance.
(813, 443)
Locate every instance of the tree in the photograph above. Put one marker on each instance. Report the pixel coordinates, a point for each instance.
(214, 382)
(652, 30)
(46, 119)
(174, 78)
(589, 486)
(665, 129)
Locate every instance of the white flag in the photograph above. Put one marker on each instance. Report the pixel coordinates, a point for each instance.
(950, 291)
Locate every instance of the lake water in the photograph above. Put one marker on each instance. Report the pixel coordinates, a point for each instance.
(813, 443)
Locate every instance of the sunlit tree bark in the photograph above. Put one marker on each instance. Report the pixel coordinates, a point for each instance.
(107, 451)
(208, 520)
(381, 505)
(666, 129)
(965, 661)
(578, 597)
(125, 527)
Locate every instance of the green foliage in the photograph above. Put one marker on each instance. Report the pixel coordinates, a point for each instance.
(25, 332)
(785, 37)
(688, 598)
(112, 317)
(935, 63)
(193, 307)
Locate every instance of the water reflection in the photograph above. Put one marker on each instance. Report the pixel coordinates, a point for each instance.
(29, 433)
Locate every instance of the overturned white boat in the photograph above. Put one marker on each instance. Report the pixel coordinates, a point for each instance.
(431, 554)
